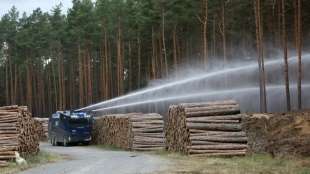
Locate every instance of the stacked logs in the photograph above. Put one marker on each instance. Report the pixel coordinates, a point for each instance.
(206, 129)
(43, 127)
(18, 132)
(279, 134)
(133, 131)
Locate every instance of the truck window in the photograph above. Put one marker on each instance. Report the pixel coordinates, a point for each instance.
(78, 122)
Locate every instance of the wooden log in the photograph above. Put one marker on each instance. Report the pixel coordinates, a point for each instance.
(4, 164)
(147, 141)
(146, 146)
(203, 153)
(130, 130)
(219, 133)
(219, 127)
(214, 121)
(212, 108)
(148, 149)
(219, 147)
(9, 107)
(220, 139)
(217, 117)
(7, 157)
(226, 102)
(213, 112)
(201, 142)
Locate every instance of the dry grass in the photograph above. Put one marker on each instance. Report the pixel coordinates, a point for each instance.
(32, 161)
(252, 164)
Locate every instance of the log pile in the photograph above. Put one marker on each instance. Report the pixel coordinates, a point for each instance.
(43, 127)
(255, 126)
(206, 129)
(18, 132)
(279, 134)
(133, 131)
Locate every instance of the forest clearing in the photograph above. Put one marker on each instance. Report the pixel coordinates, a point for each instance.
(175, 86)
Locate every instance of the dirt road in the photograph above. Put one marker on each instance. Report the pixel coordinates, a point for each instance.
(90, 160)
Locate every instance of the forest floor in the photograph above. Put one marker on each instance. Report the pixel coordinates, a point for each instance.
(251, 164)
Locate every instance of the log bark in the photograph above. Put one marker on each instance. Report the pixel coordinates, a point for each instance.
(132, 131)
(18, 132)
(215, 126)
(219, 127)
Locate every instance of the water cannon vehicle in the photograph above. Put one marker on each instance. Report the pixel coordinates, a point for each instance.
(67, 127)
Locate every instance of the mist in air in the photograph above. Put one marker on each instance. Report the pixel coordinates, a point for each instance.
(238, 81)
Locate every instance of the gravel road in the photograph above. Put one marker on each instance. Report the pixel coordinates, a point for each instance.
(91, 160)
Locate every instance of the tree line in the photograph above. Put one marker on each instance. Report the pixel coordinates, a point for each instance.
(96, 51)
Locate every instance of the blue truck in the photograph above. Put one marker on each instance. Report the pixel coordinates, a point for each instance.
(67, 127)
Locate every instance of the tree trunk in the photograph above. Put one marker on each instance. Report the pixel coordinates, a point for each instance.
(153, 64)
(263, 102)
(130, 70)
(29, 86)
(299, 45)
(119, 60)
(139, 60)
(81, 87)
(61, 80)
(285, 57)
(48, 91)
(7, 92)
(85, 76)
(15, 85)
(214, 36)
(160, 53)
(11, 82)
(55, 85)
(205, 33)
(164, 42)
(21, 89)
(175, 56)
(89, 75)
(224, 34)
(107, 66)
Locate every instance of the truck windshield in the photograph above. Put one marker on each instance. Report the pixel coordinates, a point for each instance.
(78, 122)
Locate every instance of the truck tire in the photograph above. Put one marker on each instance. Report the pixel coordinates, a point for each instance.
(65, 142)
(86, 143)
(53, 140)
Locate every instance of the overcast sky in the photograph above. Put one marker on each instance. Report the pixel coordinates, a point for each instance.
(29, 5)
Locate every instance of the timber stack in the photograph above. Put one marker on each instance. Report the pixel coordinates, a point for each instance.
(18, 132)
(43, 127)
(133, 131)
(206, 129)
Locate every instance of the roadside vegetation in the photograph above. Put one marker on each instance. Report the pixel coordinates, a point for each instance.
(32, 161)
(252, 164)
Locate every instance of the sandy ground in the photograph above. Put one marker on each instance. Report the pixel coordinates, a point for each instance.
(91, 160)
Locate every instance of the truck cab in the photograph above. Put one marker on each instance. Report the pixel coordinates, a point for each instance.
(67, 127)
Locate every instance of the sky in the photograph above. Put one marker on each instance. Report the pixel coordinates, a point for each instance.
(29, 5)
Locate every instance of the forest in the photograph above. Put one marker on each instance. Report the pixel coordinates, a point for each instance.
(100, 50)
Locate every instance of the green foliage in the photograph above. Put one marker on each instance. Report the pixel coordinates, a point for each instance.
(41, 39)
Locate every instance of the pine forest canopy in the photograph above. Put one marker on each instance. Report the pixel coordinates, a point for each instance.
(103, 49)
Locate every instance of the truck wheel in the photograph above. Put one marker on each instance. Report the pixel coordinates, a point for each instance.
(86, 143)
(65, 142)
(53, 140)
